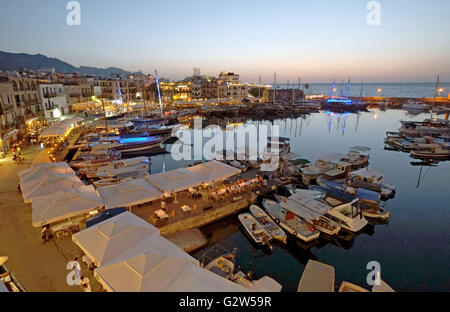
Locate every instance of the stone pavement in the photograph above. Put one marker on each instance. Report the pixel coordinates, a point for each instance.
(37, 266)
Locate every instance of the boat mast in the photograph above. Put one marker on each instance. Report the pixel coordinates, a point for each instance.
(145, 112)
(435, 95)
(360, 93)
(274, 86)
(259, 89)
(333, 88)
(119, 92)
(159, 96)
(104, 115)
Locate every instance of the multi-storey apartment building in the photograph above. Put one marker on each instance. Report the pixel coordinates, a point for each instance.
(77, 92)
(116, 89)
(231, 90)
(7, 106)
(229, 77)
(54, 100)
(27, 97)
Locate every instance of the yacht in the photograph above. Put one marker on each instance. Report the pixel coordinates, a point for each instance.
(348, 215)
(303, 203)
(415, 105)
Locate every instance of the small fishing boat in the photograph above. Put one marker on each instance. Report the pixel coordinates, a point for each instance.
(350, 287)
(434, 151)
(222, 266)
(264, 284)
(290, 222)
(371, 180)
(275, 231)
(255, 230)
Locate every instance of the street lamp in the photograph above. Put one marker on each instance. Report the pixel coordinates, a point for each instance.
(379, 91)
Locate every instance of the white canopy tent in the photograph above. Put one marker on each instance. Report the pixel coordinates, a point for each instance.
(41, 171)
(213, 171)
(47, 185)
(109, 239)
(122, 236)
(183, 178)
(174, 180)
(24, 172)
(154, 272)
(129, 193)
(64, 204)
(59, 128)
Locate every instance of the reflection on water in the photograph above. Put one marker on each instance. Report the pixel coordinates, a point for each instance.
(412, 248)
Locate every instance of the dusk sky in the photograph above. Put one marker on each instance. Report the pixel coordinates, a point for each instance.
(315, 40)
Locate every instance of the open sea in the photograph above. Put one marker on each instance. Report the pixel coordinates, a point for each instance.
(402, 90)
(413, 248)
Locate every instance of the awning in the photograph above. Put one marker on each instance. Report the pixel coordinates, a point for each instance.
(122, 236)
(155, 272)
(174, 180)
(129, 193)
(213, 171)
(65, 204)
(48, 185)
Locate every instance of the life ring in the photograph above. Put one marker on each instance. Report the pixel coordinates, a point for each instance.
(220, 263)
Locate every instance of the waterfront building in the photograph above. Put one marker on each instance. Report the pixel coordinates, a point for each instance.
(123, 90)
(27, 97)
(54, 101)
(77, 92)
(282, 95)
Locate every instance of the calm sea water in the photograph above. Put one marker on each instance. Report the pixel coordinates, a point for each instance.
(407, 90)
(413, 248)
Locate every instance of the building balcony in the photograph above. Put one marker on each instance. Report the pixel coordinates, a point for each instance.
(49, 94)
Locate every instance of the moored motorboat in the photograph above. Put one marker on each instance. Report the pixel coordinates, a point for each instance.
(255, 230)
(290, 222)
(303, 204)
(222, 266)
(275, 231)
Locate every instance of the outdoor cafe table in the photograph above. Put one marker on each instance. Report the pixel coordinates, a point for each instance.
(185, 208)
(161, 214)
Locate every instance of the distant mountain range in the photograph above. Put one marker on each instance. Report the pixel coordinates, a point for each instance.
(17, 61)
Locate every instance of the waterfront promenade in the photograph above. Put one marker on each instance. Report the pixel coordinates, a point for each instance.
(37, 266)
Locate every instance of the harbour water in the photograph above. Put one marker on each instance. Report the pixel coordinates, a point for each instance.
(413, 248)
(400, 90)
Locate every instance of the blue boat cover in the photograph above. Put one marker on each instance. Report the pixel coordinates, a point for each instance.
(104, 215)
(368, 195)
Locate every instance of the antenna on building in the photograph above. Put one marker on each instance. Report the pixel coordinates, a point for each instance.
(259, 88)
(274, 86)
(196, 72)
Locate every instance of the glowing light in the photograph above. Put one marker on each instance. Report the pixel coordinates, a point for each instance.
(375, 116)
